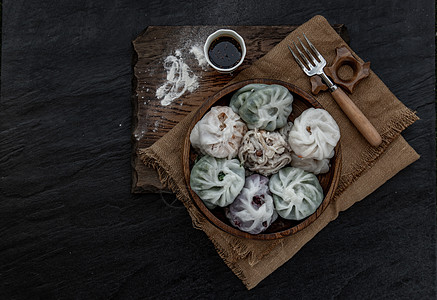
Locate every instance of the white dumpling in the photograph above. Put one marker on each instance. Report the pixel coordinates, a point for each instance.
(253, 210)
(263, 106)
(218, 133)
(217, 181)
(264, 152)
(314, 134)
(310, 164)
(296, 193)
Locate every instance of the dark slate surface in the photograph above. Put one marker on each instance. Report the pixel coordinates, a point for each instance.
(70, 229)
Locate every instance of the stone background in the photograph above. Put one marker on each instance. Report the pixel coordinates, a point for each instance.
(71, 229)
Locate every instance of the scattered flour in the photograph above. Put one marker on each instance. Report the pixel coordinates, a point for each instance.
(155, 129)
(139, 136)
(200, 56)
(180, 78)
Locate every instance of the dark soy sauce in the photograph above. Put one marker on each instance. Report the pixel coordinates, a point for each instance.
(224, 52)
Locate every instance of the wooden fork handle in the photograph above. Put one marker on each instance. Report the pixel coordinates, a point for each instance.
(357, 117)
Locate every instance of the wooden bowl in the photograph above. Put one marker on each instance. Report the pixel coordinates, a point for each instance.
(281, 227)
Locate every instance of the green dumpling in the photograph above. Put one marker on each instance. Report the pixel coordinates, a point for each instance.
(296, 193)
(217, 181)
(263, 106)
(240, 96)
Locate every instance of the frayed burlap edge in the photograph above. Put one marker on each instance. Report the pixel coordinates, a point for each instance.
(152, 160)
(370, 156)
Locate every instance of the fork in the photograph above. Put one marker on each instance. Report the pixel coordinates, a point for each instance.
(315, 67)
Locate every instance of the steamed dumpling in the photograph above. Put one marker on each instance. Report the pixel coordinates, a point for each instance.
(264, 152)
(296, 193)
(240, 96)
(310, 164)
(314, 134)
(263, 106)
(217, 181)
(218, 133)
(253, 210)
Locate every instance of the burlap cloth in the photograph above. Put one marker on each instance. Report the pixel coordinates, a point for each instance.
(364, 168)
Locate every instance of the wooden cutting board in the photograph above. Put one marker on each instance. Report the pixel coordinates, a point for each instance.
(151, 119)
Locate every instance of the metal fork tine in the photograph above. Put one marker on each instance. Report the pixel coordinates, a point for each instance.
(298, 60)
(303, 56)
(343, 100)
(310, 55)
(319, 56)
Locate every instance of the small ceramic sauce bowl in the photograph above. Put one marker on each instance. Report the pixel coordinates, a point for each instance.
(229, 34)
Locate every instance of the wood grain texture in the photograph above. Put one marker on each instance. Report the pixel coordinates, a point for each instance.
(280, 228)
(359, 70)
(151, 120)
(357, 117)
